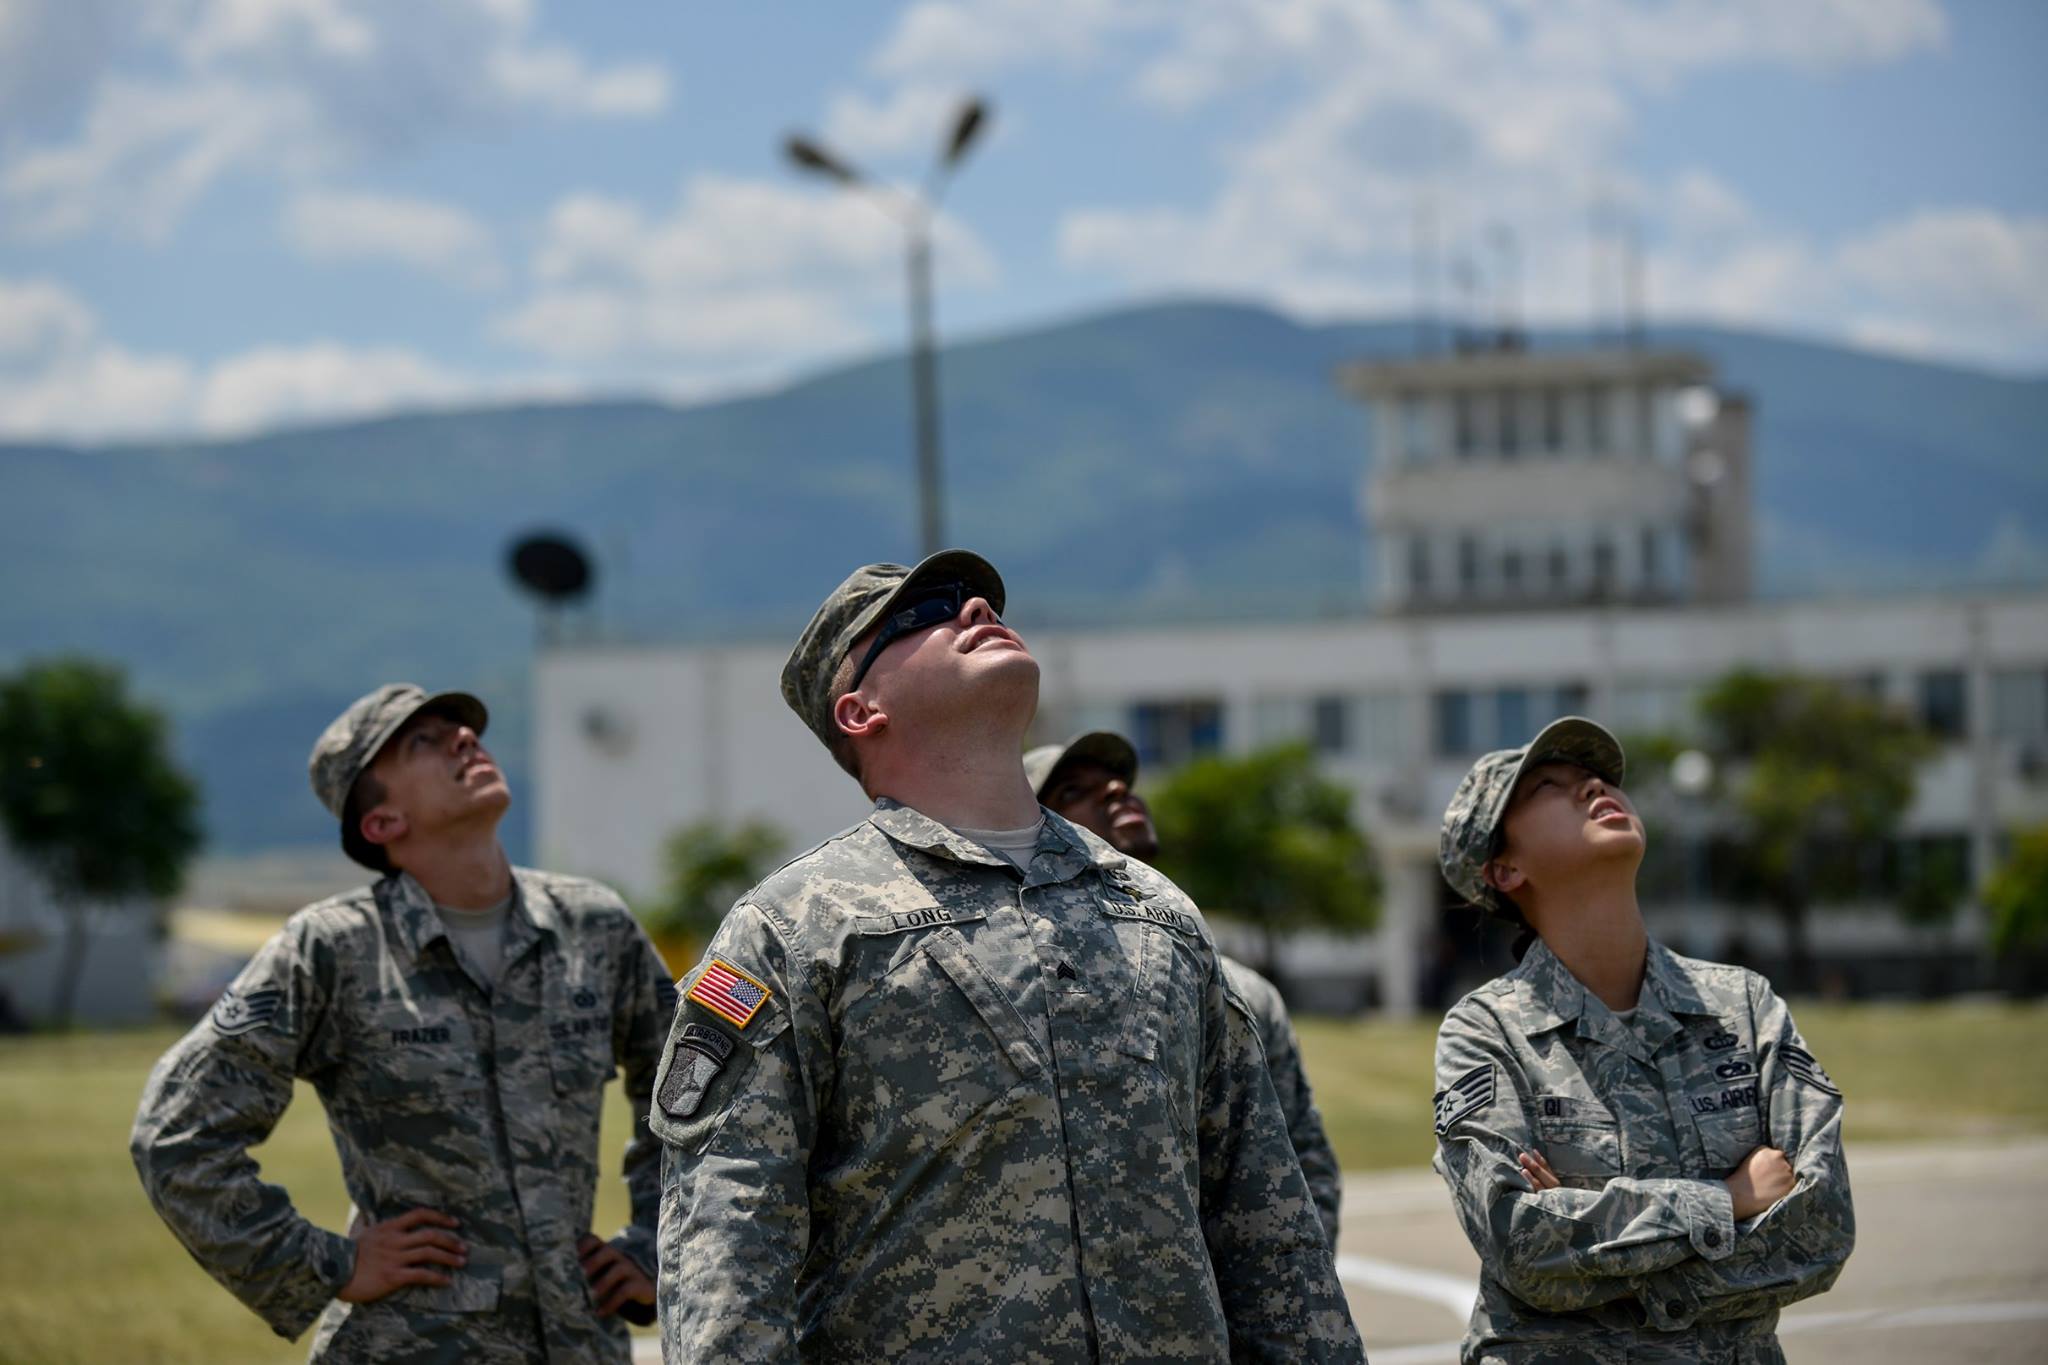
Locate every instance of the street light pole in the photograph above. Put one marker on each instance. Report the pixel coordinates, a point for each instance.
(916, 211)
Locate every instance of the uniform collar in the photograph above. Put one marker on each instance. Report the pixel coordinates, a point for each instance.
(1552, 998)
(1061, 854)
(532, 913)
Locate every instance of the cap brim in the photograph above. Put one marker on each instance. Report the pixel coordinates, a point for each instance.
(463, 707)
(1571, 739)
(977, 573)
(1111, 750)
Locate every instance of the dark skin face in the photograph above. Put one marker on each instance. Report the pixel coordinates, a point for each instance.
(1101, 802)
(1562, 822)
(437, 776)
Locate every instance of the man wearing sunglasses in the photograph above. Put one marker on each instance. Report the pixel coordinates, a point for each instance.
(1088, 780)
(963, 1082)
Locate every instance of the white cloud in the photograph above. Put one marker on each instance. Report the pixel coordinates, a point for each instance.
(40, 319)
(961, 38)
(61, 378)
(192, 91)
(277, 385)
(435, 239)
(913, 118)
(739, 273)
(1465, 118)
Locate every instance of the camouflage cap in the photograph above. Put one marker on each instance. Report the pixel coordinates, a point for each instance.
(852, 610)
(1112, 751)
(1471, 828)
(350, 743)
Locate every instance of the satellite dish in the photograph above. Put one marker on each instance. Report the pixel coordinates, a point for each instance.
(551, 567)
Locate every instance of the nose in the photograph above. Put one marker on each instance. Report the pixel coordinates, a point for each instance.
(1592, 788)
(976, 611)
(1117, 788)
(462, 737)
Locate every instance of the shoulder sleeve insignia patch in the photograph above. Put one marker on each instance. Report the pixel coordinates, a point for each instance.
(244, 1012)
(729, 993)
(1801, 1064)
(699, 1056)
(1470, 1092)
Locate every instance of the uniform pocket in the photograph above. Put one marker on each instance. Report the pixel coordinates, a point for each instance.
(1727, 1138)
(1583, 1145)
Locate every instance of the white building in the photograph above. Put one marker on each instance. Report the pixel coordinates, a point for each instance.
(632, 742)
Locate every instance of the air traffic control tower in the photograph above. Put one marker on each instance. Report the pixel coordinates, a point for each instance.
(1511, 478)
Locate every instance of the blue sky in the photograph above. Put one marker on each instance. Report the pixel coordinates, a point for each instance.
(218, 216)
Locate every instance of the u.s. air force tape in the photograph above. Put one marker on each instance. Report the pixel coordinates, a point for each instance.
(1473, 1090)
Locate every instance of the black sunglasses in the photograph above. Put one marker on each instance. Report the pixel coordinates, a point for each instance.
(927, 607)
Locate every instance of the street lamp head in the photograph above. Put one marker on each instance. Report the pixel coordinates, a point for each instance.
(973, 115)
(809, 156)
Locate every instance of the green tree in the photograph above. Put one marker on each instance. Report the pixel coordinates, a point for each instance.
(2017, 894)
(1808, 767)
(709, 866)
(1269, 839)
(90, 796)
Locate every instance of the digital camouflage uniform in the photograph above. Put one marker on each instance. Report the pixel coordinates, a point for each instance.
(978, 1115)
(1269, 1012)
(1636, 1256)
(1290, 1083)
(482, 1105)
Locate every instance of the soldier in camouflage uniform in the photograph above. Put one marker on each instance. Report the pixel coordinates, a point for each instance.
(962, 1083)
(1088, 780)
(1639, 1145)
(461, 1056)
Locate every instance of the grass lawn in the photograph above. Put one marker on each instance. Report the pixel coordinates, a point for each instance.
(88, 1274)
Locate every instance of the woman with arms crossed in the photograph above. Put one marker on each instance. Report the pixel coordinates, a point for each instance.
(1639, 1145)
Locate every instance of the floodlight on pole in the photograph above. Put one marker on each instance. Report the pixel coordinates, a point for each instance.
(915, 211)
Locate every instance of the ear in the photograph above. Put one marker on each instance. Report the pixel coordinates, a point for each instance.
(383, 825)
(1504, 877)
(857, 716)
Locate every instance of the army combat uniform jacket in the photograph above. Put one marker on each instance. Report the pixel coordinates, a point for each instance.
(481, 1104)
(1290, 1083)
(1637, 1256)
(921, 1107)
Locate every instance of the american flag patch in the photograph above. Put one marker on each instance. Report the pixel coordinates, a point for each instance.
(1469, 1092)
(728, 992)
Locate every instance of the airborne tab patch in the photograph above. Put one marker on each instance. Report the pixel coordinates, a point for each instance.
(729, 993)
(239, 1012)
(1471, 1091)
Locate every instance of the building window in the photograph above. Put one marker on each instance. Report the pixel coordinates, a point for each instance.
(1553, 421)
(1596, 420)
(1945, 703)
(1652, 571)
(1381, 731)
(1417, 441)
(2019, 703)
(1418, 566)
(1327, 727)
(1509, 412)
(1603, 566)
(1511, 572)
(1452, 737)
(1570, 699)
(1560, 568)
(1171, 732)
(1468, 565)
(1511, 717)
(1465, 423)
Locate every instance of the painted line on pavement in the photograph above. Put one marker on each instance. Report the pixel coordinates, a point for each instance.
(1450, 1291)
